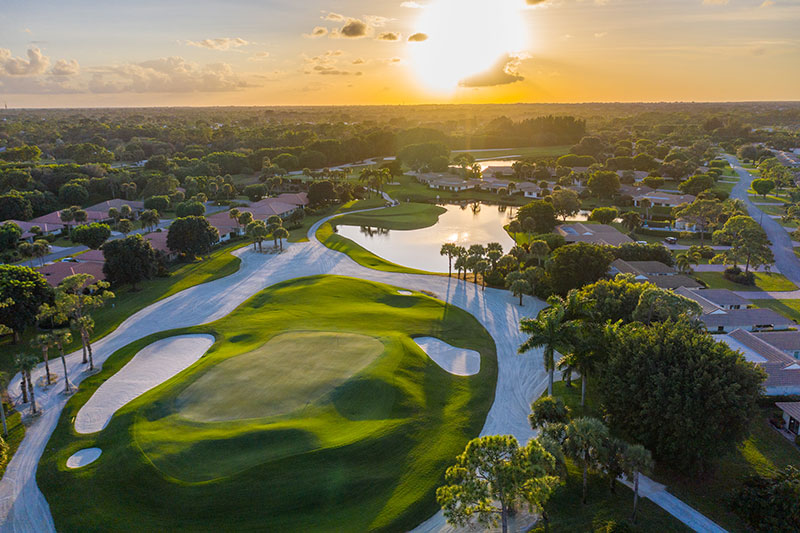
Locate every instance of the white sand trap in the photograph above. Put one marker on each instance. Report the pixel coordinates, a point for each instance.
(405, 293)
(457, 361)
(83, 457)
(149, 368)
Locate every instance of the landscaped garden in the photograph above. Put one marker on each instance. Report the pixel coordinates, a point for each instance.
(314, 408)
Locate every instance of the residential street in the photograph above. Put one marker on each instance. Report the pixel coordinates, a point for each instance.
(786, 262)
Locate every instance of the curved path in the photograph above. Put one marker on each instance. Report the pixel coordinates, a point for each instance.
(519, 379)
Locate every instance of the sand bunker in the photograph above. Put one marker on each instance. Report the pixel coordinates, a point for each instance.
(149, 368)
(457, 361)
(405, 293)
(83, 457)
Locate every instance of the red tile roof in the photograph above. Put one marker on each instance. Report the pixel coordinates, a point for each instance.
(55, 273)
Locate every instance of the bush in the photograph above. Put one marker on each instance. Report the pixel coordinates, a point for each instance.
(644, 252)
(159, 203)
(190, 209)
(553, 240)
(737, 275)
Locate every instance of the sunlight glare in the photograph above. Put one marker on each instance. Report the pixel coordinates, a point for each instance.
(465, 37)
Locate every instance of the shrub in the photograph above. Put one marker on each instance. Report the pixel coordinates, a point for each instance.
(737, 275)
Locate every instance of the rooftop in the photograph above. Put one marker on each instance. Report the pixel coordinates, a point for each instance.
(55, 273)
(593, 233)
(782, 370)
(788, 341)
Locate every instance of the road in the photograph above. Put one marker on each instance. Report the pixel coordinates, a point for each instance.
(786, 262)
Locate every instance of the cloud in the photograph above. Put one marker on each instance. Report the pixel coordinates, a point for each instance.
(376, 21)
(336, 17)
(327, 64)
(389, 36)
(318, 31)
(600, 34)
(65, 68)
(165, 75)
(535, 2)
(767, 3)
(358, 61)
(36, 63)
(221, 43)
(412, 5)
(258, 56)
(418, 38)
(503, 72)
(354, 29)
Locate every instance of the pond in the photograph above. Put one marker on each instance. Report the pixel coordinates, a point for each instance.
(420, 248)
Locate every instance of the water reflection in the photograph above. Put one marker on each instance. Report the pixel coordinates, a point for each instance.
(464, 224)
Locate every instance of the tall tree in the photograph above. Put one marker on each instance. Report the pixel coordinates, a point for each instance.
(748, 243)
(637, 460)
(584, 440)
(23, 291)
(129, 260)
(91, 235)
(450, 250)
(551, 331)
(192, 236)
(45, 341)
(492, 476)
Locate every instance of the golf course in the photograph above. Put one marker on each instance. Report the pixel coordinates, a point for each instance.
(314, 407)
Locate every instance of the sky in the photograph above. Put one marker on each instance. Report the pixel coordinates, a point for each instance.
(84, 53)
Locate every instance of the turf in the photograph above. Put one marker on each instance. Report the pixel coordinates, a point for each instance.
(528, 151)
(366, 456)
(408, 216)
(765, 281)
(288, 372)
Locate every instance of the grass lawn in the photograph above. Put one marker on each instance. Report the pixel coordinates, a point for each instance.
(531, 151)
(568, 514)
(409, 189)
(16, 431)
(765, 281)
(365, 454)
(762, 452)
(408, 216)
(788, 308)
(772, 209)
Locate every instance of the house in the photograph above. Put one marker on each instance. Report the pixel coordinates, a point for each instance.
(655, 272)
(783, 372)
(495, 171)
(732, 313)
(685, 224)
(662, 199)
(791, 416)
(786, 341)
(91, 256)
(28, 235)
(720, 298)
(593, 233)
(638, 174)
(55, 273)
(529, 189)
(494, 185)
(299, 199)
(54, 219)
(226, 226)
(263, 209)
(158, 240)
(117, 203)
(447, 182)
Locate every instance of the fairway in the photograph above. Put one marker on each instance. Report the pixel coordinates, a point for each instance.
(288, 372)
(314, 410)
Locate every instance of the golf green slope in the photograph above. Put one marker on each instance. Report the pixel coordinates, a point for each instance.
(313, 411)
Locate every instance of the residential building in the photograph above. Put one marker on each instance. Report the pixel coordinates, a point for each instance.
(593, 233)
(28, 235)
(655, 272)
(732, 313)
(54, 219)
(117, 203)
(663, 199)
(783, 372)
(55, 273)
(791, 416)
(786, 341)
(226, 226)
(719, 298)
(447, 182)
(495, 171)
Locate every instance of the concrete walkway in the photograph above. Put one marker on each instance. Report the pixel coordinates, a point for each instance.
(520, 379)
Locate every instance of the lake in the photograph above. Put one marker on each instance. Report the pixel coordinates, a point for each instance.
(420, 248)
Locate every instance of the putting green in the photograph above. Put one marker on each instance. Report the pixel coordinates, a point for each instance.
(315, 410)
(289, 372)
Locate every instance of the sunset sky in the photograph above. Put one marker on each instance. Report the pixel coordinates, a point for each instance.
(279, 52)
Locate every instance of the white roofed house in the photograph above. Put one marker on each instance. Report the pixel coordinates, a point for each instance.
(655, 272)
(663, 199)
(783, 371)
(529, 190)
(497, 171)
(447, 182)
(786, 341)
(593, 233)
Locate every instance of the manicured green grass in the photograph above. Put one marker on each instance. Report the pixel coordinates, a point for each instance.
(409, 189)
(755, 197)
(772, 210)
(762, 452)
(765, 281)
(408, 216)
(568, 514)
(788, 308)
(369, 455)
(16, 432)
(271, 382)
(531, 151)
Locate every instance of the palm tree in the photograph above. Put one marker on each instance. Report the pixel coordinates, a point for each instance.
(450, 250)
(27, 363)
(149, 219)
(234, 215)
(514, 228)
(631, 221)
(23, 384)
(551, 331)
(540, 250)
(647, 204)
(683, 262)
(519, 288)
(125, 226)
(281, 233)
(584, 439)
(62, 337)
(481, 267)
(494, 251)
(274, 222)
(245, 218)
(40, 249)
(637, 459)
(44, 342)
(461, 265)
(258, 232)
(85, 325)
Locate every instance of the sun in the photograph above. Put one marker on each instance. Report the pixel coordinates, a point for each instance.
(464, 38)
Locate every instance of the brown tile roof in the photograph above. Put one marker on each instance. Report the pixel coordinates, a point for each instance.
(158, 240)
(91, 256)
(55, 273)
(267, 207)
(300, 198)
(224, 223)
(54, 218)
(116, 203)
